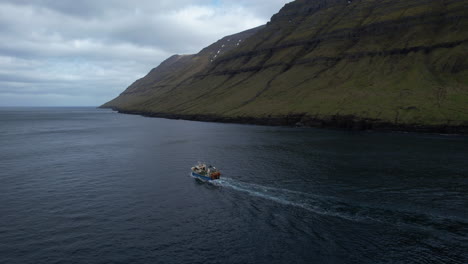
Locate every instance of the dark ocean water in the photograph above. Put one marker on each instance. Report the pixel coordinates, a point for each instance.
(81, 185)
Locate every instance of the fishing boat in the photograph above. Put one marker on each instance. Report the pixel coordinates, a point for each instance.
(205, 172)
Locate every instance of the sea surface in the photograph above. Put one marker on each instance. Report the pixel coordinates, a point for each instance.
(84, 185)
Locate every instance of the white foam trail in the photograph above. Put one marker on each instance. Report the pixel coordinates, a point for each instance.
(332, 206)
(312, 203)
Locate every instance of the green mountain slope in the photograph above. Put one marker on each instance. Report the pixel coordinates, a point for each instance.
(364, 64)
(175, 72)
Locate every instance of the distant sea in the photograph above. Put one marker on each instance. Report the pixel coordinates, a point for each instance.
(85, 185)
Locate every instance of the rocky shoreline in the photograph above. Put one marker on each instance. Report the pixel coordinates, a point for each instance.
(348, 122)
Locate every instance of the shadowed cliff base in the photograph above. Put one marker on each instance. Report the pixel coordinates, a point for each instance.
(348, 122)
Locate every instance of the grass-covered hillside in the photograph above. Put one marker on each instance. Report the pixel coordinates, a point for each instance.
(373, 62)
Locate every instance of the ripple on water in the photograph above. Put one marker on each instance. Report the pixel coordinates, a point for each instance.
(96, 187)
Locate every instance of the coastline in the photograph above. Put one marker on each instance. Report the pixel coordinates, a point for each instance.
(347, 122)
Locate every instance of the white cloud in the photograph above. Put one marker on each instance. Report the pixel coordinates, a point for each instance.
(95, 49)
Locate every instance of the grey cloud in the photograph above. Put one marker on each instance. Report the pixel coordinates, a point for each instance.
(92, 9)
(96, 48)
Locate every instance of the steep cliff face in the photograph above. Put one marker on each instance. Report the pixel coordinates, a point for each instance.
(175, 72)
(372, 62)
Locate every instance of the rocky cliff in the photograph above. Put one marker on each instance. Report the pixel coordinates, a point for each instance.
(363, 64)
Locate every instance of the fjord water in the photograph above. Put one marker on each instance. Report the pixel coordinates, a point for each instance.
(82, 185)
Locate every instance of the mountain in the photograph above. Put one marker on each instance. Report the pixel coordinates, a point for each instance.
(368, 64)
(174, 74)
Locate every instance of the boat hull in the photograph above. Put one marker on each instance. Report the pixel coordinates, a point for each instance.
(200, 177)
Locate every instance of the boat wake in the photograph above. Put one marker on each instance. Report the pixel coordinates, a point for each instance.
(334, 207)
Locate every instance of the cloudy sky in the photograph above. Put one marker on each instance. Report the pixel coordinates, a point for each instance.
(86, 52)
